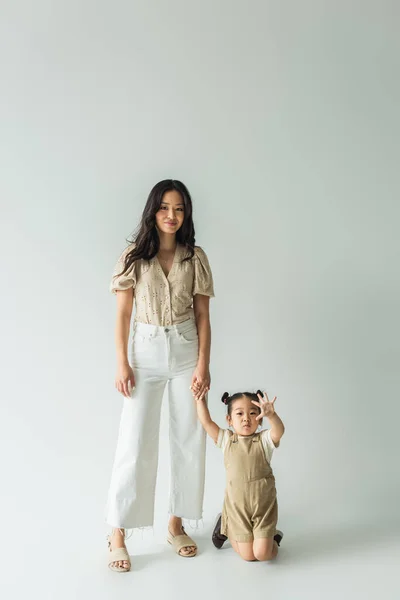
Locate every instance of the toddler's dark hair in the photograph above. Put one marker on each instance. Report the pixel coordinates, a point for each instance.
(229, 400)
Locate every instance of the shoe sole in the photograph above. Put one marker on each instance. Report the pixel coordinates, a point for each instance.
(280, 534)
(220, 542)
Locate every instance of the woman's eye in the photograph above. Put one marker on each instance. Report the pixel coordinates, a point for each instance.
(181, 209)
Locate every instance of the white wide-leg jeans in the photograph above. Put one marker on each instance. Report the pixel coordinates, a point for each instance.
(160, 357)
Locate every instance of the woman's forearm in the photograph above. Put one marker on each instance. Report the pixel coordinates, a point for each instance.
(121, 337)
(204, 333)
(123, 324)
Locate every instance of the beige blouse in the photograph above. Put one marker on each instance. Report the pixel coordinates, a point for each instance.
(162, 300)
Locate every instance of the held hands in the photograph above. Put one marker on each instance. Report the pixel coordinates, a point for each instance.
(201, 381)
(267, 407)
(125, 380)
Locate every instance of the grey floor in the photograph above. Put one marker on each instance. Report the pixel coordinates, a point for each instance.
(322, 565)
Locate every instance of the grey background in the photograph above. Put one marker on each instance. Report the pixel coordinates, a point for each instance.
(282, 119)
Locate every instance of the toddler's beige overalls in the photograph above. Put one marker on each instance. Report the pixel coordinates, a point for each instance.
(250, 508)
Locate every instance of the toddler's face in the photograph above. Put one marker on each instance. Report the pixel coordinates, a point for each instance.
(243, 417)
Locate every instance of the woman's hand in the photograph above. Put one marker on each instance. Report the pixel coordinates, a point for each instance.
(201, 381)
(125, 380)
(267, 408)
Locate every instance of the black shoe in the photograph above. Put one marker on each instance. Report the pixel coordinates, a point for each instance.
(278, 537)
(218, 539)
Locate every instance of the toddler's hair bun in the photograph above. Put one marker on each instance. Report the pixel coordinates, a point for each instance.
(224, 398)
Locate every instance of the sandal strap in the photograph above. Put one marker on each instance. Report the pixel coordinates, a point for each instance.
(181, 541)
(118, 554)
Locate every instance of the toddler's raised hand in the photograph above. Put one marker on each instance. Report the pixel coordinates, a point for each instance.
(265, 405)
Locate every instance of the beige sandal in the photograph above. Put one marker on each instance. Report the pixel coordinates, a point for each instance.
(119, 554)
(181, 541)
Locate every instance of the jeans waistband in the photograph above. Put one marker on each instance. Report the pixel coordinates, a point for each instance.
(145, 328)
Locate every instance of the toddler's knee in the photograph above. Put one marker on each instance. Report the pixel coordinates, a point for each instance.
(248, 556)
(264, 555)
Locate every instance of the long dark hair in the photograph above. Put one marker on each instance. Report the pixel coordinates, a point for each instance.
(146, 239)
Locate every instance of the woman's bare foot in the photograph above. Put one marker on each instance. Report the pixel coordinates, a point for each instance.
(117, 540)
(175, 528)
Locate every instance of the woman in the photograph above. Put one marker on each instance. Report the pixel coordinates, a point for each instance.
(171, 282)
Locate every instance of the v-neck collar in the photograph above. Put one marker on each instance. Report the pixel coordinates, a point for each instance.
(176, 257)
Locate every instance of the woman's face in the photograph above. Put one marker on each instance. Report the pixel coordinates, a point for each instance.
(244, 416)
(171, 214)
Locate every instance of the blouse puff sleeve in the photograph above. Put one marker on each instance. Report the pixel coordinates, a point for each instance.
(128, 279)
(203, 280)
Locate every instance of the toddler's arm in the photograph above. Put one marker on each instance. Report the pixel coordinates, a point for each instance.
(277, 428)
(267, 409)
(205, 419)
